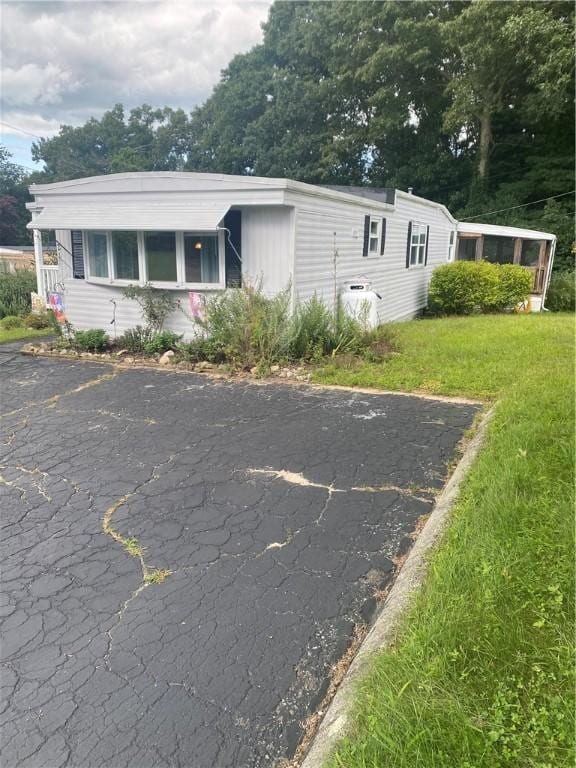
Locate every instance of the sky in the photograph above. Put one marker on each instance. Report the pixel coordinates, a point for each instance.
(64, 62)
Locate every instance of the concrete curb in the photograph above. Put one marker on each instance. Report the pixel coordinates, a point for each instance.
(337, 718)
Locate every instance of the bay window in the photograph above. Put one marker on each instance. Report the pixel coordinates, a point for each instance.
(160, 249)
(171, 259)
(201, 262)
(125, 255)
(98, 254)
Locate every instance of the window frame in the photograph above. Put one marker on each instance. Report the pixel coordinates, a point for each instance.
(178, 284)
(378, 236)
(418, 229)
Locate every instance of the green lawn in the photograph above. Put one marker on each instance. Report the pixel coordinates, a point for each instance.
(22, 333)
(482, 676)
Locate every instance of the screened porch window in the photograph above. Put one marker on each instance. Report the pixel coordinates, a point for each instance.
(160, 248)
(98, 254)
(466, 249)
(125, 255)
(498, 250)
(530, 254)
(201, 259)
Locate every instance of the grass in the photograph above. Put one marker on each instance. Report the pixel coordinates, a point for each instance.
(23, 333)
(482, 673)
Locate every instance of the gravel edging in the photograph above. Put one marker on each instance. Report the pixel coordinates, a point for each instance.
(336, 720)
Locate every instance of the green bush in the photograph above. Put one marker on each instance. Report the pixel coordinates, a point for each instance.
(40, 320)
(202, 348)
(515, 285)
(248, 327)
(15, 290)
(161, 342)
(134, 340)
(155, 304)
(94, 340)
(312, 330)
(561, 295)
(10, 322)
(469, 287)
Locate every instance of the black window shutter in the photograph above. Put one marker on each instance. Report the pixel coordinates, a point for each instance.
(408, 244)
(233, 222)
(426, 251)
(77, 254)
(366, 235)
(383, 237)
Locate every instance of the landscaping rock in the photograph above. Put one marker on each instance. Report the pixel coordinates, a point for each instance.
(204, 365)
(128, 359)
(121, 352)
(274, 368)
(166, 358)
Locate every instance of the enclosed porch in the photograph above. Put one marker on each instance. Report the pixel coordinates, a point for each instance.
(530, 249)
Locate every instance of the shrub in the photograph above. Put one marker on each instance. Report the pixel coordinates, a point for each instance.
(134, 340)
(561, 292)
(95, 340)
(161, 342)
(312, 330)
(515, 285)
(10, 322)
(248, 327)
(15, 290)
(40, 320)
(468, 287)
(155, 304)
(202, 348)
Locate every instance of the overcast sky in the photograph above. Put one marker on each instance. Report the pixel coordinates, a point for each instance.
(63, 62)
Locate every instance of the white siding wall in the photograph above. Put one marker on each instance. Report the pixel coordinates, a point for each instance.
(88, 305)
(267, 242)
(322, 224)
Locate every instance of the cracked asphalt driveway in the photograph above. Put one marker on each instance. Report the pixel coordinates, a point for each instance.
(184, 559)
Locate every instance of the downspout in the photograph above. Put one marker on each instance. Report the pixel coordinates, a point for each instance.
(548, 274)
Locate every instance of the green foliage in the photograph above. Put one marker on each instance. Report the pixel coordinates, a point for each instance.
(134, 340)
(161, 342)
(95, 340)
(312, 335)
(247, 326)
(202, 348)
(561, 295)
(468, 287)
(15, 290)
(10, 322)
(13, 197)
(40, 320)
(156, 305)
(514, 285)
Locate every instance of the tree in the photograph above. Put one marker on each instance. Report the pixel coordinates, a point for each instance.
(147, 139)
(13, 196)
(510, 56)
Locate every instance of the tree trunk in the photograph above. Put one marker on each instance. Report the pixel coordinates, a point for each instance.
(485, 144)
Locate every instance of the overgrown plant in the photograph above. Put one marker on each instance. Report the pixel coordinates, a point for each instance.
(134, 340)
(562, 292)
(95, 340)
(15, 292)
(162, 342)
(156, 304)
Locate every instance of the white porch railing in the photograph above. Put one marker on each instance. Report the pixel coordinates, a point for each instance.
(47, 277)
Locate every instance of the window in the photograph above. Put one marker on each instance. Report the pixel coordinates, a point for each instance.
(374, 238)
(467, 248)
(160, 249)
(498, 250)
(530, 254)
(452, 246)
(97, 254)
(418, 245)
(125, 255)
(201, 260)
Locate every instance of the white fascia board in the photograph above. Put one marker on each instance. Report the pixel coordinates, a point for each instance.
(475, 228)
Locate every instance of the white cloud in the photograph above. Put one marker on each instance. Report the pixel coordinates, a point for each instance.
(65, 62)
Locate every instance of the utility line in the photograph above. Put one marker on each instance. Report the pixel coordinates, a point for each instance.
(513, 207)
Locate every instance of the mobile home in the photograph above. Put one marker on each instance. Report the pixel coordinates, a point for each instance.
(198, 234)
